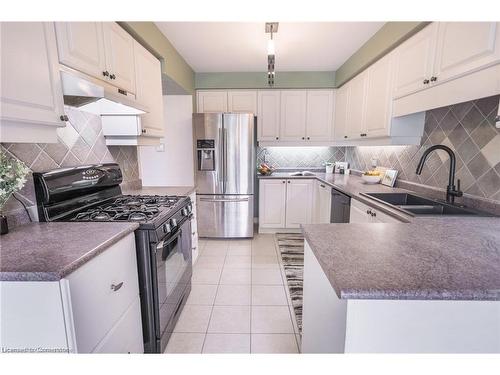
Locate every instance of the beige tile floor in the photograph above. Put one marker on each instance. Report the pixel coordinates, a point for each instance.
(239, 302)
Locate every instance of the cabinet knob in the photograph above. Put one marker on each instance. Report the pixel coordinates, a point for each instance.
(308, 138)
(116, 287)
(288, 181)
(105, 73)
(284, 181)
(143, 131)
(345, 136)
(64, 118)
(277, 138)
(303, 137)
(368, 212)
(434, 79)
(426, 82)
(112, 76)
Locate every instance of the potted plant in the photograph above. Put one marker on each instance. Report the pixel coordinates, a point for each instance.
(13, 174)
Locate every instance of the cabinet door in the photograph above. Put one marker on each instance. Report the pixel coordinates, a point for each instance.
(414, 60)
(119, 56)
(242, 101)
(149, 90)
(272, 203)
(356, 105)
(81, 47)
(30, 90)
(268, 115)
(340, 119)
(358, 213)
(463, 47)
(299, 195)
(293, 115)
(325, 199)
(319, 115)
(211, 101)
(379, 98)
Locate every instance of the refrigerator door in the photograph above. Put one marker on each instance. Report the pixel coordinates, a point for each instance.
(208, 157)
(238, 153)
(225, 216)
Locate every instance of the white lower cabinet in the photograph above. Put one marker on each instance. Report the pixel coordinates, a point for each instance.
(285, 203)
(94, 309)
(272, 203)
(299, 199)
(322, 203)
(194, 228)
(362, 213)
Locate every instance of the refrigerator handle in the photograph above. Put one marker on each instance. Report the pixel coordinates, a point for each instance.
(221, 171)
(225, 159)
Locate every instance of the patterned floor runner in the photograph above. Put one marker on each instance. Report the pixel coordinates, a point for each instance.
(291, 247)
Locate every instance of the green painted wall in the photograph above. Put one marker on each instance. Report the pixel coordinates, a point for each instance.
(385, 40)
(258, 80)
(173, 64)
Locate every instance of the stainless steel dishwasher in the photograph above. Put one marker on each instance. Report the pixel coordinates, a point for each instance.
(341, 207)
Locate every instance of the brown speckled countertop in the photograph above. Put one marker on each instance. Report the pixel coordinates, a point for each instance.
(50, 251)
(161, 190)
(442, 259)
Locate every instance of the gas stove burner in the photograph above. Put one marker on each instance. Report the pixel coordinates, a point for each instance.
(100, 216)
(137, 216)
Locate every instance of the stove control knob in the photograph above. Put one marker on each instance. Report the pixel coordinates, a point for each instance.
(173, 223)
(184, 212)
(167, 228)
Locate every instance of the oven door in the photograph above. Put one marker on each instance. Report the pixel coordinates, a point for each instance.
(173, 279)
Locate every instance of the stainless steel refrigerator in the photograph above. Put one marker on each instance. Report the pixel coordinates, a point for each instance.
(224, 154)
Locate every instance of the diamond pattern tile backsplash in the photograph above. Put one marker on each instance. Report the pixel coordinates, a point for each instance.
(299, 157)
(80, 142)
(468, 129)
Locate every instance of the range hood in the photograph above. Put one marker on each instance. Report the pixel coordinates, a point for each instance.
(90, 95)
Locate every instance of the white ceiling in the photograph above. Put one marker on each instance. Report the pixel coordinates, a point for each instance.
(242, 46)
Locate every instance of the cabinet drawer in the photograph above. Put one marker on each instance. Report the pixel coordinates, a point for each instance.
(96, 307)
(126, 335)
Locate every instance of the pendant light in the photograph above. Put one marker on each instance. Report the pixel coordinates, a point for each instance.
(271, 27)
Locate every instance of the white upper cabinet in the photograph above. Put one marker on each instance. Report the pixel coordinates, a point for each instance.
(268, 115)
(463, 47)
(356, 106)
(149, 90)
(414, 62)
(340, 117)
(242, 101)
(81, 47)
(379, 98)
(31, 92)
(293, 115)
(119, 47)
(319, 120)
(102, 50)
(211, 101)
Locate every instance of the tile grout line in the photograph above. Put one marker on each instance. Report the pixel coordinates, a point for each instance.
(213, 304)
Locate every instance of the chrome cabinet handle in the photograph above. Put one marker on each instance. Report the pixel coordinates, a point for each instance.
(322, 185)
(116, 287)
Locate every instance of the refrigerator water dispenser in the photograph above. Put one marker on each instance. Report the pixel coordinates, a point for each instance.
(206, 155)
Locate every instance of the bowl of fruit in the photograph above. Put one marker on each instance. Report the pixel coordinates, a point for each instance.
(371, 177)
(265, 170)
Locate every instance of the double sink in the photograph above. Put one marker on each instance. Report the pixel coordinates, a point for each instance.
(418, 206)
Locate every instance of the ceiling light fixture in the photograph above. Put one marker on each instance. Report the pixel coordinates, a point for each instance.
(271, 27)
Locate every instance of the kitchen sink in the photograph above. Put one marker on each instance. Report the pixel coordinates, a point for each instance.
(419, 206)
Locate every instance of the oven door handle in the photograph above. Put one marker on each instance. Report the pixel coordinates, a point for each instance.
(162, 244)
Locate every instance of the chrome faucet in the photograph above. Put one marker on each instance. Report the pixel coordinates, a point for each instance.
(451, 191)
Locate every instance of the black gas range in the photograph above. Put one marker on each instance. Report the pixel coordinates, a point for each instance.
(163, 240)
